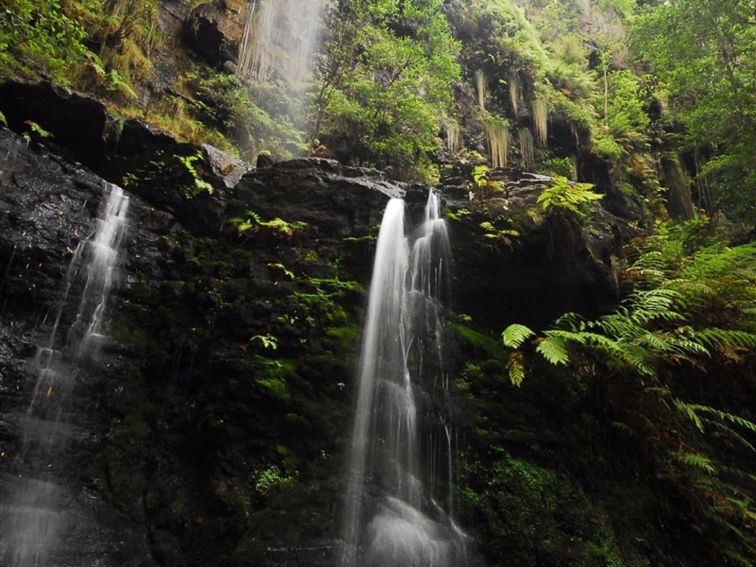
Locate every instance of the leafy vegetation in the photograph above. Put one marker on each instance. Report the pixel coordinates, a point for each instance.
(387, 83)
(688, 315)
(569, 196)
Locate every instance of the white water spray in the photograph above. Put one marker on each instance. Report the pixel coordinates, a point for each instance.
(281, 38)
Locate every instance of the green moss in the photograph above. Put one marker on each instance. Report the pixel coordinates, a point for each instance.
(522, 506)
(275, 376)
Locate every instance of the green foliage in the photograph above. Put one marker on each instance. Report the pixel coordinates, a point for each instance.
(703, 52)
(566, 195)
(39, 38)
(515, 335)
(271, 478)
(483, 180)
(699, 461)
(251, 223)
(36, 131)
(384, 90)
(268, 341)
(688, 313)
(3, 120)
(560, 167)
(200, 184)
(554, 350)
(274, 377)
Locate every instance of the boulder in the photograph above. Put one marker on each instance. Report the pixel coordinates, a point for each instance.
(214, 31)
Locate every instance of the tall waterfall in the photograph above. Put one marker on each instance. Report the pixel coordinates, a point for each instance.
(392, 516)
(281, 36)
(35, 518)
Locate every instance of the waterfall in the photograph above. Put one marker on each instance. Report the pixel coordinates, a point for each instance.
(390, 518)
(35, 517)
(527, 149)
(281, 37)
(541, 120)
(497, 131)
(481, 88)
(514, 92)
(452, 135)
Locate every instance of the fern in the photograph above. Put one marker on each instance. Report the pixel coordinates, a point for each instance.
(725, 416)
(554, 350)
(690, 413)
(516, 369)
(698, 461)
(515, 335)
(722, 339)
(567, 195)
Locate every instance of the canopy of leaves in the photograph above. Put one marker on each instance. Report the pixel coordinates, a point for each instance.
(388, 83)
(703, 51)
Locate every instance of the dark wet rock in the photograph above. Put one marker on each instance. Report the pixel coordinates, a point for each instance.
(214, 30)
(338, 200)
(189, 411)
(177, 176)
(264, 160)
(78, 123)
(181, 327)
(46, 207)
(514, 263)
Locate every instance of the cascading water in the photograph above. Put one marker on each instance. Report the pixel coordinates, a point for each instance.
(391, 518)
(281, 36)
(35, 518)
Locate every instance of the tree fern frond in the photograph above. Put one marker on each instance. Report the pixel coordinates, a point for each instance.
(732, 433)
(698, 461)
(721, 339)
(687, 410)
(687, 346)
(573, 321)
(516, 369)
(738, 473)
(554, 350)
(635, 356)
(724, 416)
(514, 335)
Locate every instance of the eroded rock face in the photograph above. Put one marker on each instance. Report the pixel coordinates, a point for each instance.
(214, 30)
(514, 263)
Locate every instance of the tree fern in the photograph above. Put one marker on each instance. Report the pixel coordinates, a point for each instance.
(554, 350)
(698, 461)
(716, 338)
(516, 369)
(725, 416)
(514, 335)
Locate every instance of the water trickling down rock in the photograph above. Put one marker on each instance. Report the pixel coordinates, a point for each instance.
(36, 517)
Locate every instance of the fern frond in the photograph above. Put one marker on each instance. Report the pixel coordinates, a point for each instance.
(554, 350)
(731, 433)
(516, 369)
(514, 335)
(725, 416)
(573, 321)
(689, 412)
(698, 461)
(722, 339)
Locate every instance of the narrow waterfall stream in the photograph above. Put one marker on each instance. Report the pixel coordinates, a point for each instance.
(392, 517)
(35, 517)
